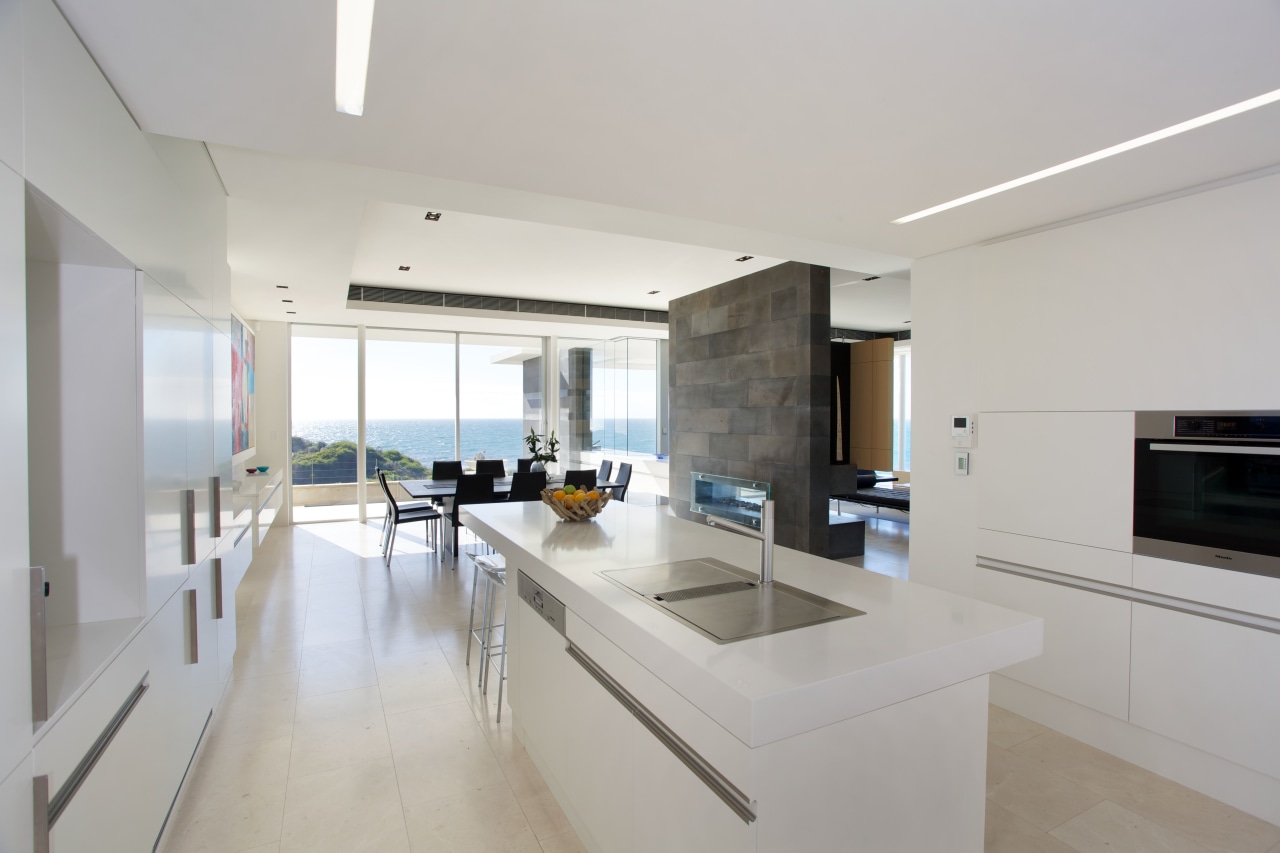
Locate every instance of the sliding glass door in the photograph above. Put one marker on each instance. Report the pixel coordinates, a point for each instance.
(324, 393)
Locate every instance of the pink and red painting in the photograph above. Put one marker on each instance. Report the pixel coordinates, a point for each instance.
(242, 420)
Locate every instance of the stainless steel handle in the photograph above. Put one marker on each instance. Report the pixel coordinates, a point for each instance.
(1218, 448)
(39, 650)
(40, 814)
(187, 524)
(217, 587)
(193, 626)
(62, 799)
(215, 507)
(710, 776)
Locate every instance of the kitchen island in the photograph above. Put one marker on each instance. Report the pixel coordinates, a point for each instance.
(864, 733)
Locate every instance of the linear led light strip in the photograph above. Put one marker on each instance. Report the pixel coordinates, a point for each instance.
(1173, 130)
(355, 28)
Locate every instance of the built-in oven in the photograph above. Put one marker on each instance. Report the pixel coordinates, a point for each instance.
(1206, 489)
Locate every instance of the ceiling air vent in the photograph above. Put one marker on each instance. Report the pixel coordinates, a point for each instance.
(358, 293)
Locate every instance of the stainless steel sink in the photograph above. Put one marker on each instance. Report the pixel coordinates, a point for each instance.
(724, 602)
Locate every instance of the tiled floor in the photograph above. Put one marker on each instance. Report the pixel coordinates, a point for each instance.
(353, 725)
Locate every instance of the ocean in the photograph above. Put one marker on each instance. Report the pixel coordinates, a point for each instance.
(429, 440)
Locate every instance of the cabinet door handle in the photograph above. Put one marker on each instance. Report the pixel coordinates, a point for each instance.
(39, 650)
(217, 587)
(710, 776)
(187, 513)
(215, 507)
(193, 626)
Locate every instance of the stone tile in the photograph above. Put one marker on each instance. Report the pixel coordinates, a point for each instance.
(1008, 833)
(233, 799)
(338, 667)
(440, 752)
(486, 820)
(1037, 796)
(566, 843)
(1006, 729)
(352, 809)
(1212, 824)
(1108, 827)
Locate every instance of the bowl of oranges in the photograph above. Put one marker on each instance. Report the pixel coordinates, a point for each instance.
(573, 504)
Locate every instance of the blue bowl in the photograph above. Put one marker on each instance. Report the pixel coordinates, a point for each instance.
(262, 469)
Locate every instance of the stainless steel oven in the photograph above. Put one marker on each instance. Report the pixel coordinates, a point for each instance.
(1206, 489)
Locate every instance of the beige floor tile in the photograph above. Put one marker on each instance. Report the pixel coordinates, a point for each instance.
(1006, 729)
(327, 632)
(1210, 823)
(544, 814)
(565, 843)
(341, 666)
(255, 709)
(487, 820)
(440, 752)
(338, 730)
(1107, 827)
(1008, 833)
(421, 680)
(404, 640)
(1032, 793)
(350, 810)
(255, 659)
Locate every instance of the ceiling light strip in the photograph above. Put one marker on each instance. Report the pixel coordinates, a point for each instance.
(355, 29)
(1173, 130)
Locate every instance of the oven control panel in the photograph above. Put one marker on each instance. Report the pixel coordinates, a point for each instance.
(1227, 426)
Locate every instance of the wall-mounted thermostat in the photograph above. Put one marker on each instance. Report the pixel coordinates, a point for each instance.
(962, 465)
(963, 430)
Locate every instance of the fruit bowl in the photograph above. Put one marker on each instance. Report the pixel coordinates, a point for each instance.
(574, 510)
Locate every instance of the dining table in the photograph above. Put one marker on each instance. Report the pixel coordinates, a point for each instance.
(436, 489)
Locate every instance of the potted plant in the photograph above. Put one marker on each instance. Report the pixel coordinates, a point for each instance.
(540, 452)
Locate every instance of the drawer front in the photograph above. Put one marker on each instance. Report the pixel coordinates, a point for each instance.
(1209, 684)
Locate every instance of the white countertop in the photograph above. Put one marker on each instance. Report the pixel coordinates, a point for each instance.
(913, 639)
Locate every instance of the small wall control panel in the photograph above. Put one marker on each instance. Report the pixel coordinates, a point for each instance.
(543, 603)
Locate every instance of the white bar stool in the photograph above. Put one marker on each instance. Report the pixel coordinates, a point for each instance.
(493, 567)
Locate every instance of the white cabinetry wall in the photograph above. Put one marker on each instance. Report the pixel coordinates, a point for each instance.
(1055, 539)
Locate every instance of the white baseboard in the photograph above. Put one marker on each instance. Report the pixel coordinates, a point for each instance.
(1245, 789)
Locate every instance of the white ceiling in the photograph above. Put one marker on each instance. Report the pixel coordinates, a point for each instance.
(796, 130)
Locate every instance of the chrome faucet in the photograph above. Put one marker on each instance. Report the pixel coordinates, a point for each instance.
(764, 535)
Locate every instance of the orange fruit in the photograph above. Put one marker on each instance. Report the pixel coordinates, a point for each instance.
(594, 495)
(579, 497)
(559, 495)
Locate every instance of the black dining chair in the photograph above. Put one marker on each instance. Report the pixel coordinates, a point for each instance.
(446, 470)
(472, 489)
(491, 466)
(623, 480)
(398, 513)
(527, 485)
(581, 479)
(524, 466)
(606, 468)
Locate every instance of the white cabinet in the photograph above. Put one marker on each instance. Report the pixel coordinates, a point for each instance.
(1086, 639)
(15, 810)
(1209, 684)
(1065, 476)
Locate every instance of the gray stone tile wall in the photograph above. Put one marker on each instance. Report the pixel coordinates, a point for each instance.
(750, 393)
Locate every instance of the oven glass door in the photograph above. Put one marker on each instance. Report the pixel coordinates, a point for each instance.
(1217, 497)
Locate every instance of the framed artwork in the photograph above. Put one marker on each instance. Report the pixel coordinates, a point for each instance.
(243, 432)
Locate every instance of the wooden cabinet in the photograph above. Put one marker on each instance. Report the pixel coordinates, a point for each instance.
(871, 404)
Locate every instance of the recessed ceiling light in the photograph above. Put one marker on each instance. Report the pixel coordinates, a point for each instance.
(1156, 136)
(871, 278)
(744, 258)
(282, 287)
(291, 312)
(433, 216)
(906, 321)
(404, 269)
(651, 292)
(286, 300)
(355, 28)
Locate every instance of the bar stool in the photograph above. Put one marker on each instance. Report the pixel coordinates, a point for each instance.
(493, 566)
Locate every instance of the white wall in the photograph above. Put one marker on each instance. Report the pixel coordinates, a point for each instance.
(271, 399)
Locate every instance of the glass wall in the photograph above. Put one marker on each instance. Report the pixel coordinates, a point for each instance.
(902, 407)
(427, 396)
(410, 403)
(500, 392)
(609, 398)
(324, 368)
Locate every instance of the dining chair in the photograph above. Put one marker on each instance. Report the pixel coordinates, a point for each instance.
(491, 466)
(446, 470)
(524, 465)
(623, 479)
(527, 485)
(606, 468)
(398, 514)
(472, 489)
(581, 479)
